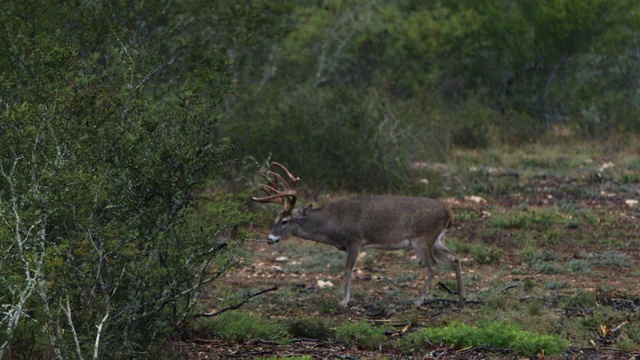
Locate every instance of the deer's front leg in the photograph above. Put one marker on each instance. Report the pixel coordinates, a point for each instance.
(352, 255)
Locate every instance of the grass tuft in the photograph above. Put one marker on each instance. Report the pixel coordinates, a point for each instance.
(311, 328)
(533, 218)
(361, 334)
(238, 326)
(494, 335)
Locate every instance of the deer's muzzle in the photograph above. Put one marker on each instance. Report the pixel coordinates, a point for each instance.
(273, 239)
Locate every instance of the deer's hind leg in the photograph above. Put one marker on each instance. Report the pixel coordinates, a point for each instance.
(426, 255)
(442, 253)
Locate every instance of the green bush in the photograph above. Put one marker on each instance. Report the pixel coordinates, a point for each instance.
(108, 119)
(471, 129)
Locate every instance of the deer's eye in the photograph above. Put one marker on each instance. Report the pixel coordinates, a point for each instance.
(284, 222)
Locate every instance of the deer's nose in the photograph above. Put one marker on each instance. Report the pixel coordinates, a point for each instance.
(273, 239)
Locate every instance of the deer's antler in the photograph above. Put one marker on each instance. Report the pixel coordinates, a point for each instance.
(287, 197)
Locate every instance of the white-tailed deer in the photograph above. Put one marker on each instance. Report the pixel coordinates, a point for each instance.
(381, 222)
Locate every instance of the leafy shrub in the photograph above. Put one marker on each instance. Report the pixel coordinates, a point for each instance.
(107, 144)
(472, 127)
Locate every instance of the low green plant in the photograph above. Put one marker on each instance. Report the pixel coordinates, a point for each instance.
(626, 344)
(327, 304)
(528, 284)
(580, 215)
(239, 326)
(310, 327)
(632, 332)
(532, 255)
(496, 302)
(583, 299)
(548, 268)
(530, 219)
(361, 334)
(482, 254)
(579, 266)
(309, 257)
(630, 178)
(556, 285)
(612, 258)
(496, 335)
(369, 260)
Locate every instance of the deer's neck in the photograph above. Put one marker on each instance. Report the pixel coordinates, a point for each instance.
(319, 227)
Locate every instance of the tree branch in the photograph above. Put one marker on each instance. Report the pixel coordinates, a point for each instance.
(236, 306)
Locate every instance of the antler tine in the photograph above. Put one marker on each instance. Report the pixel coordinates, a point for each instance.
(294, 179)
(287, 198)
(273, 194)
(293, 188)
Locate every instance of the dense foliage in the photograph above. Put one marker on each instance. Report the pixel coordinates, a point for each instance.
(109, 114)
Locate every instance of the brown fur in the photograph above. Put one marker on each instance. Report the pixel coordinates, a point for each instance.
(384, 222)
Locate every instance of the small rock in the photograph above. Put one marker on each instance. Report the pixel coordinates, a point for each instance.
(475, 199)
(323, 284)
(605, 166)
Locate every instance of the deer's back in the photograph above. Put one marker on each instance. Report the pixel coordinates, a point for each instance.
(379, 218)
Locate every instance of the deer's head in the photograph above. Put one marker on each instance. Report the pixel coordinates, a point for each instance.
(285, 193)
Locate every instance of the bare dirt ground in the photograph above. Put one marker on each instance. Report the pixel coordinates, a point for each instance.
(579, 264)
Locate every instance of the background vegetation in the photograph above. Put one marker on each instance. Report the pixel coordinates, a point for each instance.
(361, 89)
(129, 133)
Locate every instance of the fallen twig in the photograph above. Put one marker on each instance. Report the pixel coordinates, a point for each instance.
(446, 288)
(257, 240)
(438, 300)
(484, 348)
(236, 306)
(450, 301)
(508, 287)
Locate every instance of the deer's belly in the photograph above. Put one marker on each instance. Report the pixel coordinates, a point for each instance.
(396, 245)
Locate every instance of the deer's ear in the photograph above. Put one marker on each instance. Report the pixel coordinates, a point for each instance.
(306, 210)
